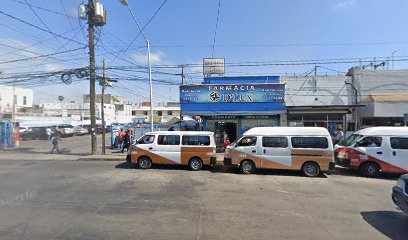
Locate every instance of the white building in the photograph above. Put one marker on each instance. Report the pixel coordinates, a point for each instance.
(161, 112)
(322, 101)
(20, 97)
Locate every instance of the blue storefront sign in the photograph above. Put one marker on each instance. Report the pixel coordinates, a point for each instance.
(266, 98)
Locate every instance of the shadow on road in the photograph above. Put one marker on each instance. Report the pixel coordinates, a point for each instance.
(392, 224)
(219, 169)
(355, 173)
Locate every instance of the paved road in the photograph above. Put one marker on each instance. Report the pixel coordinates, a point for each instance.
(109, 200)
(72, 148)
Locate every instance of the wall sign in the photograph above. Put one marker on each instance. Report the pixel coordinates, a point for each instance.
(213, 66)
(233, 93)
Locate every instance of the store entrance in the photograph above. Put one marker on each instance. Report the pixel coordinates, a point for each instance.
(222, 130)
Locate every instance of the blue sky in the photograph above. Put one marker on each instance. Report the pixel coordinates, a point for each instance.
(183, 32)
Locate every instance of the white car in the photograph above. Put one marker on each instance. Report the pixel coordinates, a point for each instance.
(400, 193)
(66, 130)
(79, 130)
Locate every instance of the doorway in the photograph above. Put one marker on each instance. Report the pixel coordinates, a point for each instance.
(222, 130)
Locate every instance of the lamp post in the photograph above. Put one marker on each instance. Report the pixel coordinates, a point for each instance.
(126, 3)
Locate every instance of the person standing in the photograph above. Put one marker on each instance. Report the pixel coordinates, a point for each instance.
(126, 141)
(338, 136)
(55, 138)
(226, 144)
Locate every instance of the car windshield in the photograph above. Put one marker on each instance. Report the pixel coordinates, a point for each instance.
(351, 140)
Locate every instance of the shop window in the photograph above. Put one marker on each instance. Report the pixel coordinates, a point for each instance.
(159, 113)
(168, 140)
(310, 142)
(169, 113)
(24, 100)
(275, 142)
(133, 113)
(246, 141)
(399, 143)
(145, 113)
(196, 140)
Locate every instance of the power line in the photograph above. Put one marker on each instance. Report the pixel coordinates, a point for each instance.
(39, 28)
(216, 27)
(45, 9)
(41, 56)
(134, 39)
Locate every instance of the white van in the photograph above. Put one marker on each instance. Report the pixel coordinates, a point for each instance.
(374, 150)
(308, 149)
(191, 148)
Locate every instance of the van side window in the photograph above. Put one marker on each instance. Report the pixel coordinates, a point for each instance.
(196, 140)
(275, 142)
(146, 139)
(246, 141)
(399, 143)
(168, 140)
(370, 142)
(310, 142)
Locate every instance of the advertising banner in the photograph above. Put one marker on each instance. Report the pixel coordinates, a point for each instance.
(232, 93)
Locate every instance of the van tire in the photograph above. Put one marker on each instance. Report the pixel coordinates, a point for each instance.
(370, 170)
(144, 162)
(247, 167)
(310, 169)
(195, 164)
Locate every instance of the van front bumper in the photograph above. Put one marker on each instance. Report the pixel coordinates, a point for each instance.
(332, 168)
(343, 162)
(400, 199)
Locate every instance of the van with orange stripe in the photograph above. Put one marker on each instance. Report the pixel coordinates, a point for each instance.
(308, 149)
(191, 148)
(375, 150)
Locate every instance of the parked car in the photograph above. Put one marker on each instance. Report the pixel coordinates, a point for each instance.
(79, 130)
(400, 193)
(22, 129)
(42, 133)
(375, 150)
(66, 130)
(308, 149)
(194, 149)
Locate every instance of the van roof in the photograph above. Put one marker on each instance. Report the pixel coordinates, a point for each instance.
(287, 131)
(385, 131)
(181, 133)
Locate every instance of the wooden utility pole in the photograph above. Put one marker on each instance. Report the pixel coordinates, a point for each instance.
(103, 107)
(91, 17)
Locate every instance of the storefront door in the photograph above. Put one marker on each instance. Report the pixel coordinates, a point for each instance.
(223, 129)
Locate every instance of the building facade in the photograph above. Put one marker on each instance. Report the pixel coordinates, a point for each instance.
(15, 96)
(229, 106)
(162, 113)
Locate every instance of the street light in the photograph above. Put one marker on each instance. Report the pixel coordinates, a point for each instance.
(126, 3)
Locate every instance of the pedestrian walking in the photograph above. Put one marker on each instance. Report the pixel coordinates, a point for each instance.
(126, 141)
(121, 137)
(55, 138)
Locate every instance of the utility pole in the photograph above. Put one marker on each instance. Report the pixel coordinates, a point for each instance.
(182, 83)
(91, 16)
(103, 106)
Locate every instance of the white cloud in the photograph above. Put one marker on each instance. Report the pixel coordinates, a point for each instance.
(345, 4)
(157, 58)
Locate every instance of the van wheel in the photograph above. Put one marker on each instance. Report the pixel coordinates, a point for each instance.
(247, 167)
(195, 164)
(144, 162)
(370, 170)
(311, 169)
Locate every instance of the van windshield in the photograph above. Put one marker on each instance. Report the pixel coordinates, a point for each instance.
(351, 140)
